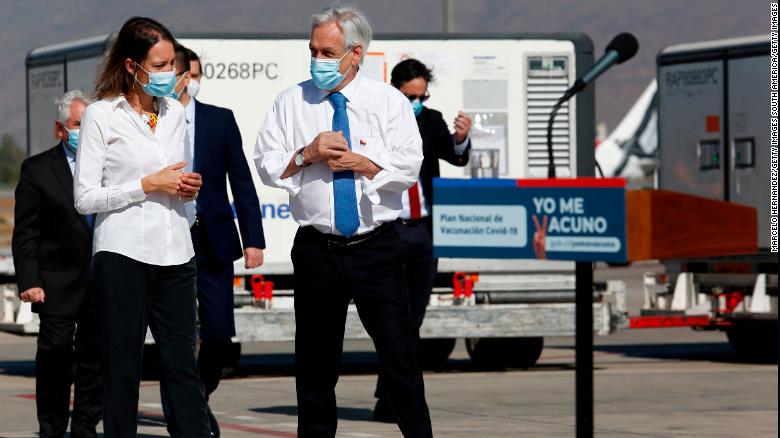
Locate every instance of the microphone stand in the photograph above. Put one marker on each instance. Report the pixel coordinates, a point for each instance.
(583, 304)
(578, 86)
(622, 48)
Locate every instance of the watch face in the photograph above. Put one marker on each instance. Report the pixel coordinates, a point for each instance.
(299, 159)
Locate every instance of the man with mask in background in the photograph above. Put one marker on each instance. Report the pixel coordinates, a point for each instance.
(215, 150)
(52, 250)
(415, 225)
(345, 147)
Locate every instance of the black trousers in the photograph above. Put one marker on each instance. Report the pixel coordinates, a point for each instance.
(69, 354)
(132, 296)
(327, 276)
(215, 315)
(419, 266)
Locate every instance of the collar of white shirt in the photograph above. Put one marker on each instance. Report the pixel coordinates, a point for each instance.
(120, 100)
(189, 111)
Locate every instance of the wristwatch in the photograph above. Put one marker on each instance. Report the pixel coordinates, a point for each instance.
(299, 160)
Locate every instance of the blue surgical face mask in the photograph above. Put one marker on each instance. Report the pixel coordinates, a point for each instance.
(417, 107)
(161, 84)
(73, 139)
(325, 72)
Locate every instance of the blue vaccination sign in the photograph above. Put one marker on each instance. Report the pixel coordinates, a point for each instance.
(578, 219)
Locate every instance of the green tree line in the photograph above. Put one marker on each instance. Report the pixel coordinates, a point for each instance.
(11, 157)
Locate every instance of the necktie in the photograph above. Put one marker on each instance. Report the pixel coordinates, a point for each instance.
(414, 202)
(344, 198)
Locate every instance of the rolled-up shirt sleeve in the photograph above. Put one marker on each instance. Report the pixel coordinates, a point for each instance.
(272, 156)
(89, 194)
(401, 156)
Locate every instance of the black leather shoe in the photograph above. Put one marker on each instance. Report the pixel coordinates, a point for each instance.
(383, 413)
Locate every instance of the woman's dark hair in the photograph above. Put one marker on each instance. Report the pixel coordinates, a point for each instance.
(407, 70)
(134, 40)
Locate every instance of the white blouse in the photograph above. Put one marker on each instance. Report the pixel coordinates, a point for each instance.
(116, 150)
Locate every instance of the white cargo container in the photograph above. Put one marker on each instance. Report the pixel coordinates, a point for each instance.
(713, 131)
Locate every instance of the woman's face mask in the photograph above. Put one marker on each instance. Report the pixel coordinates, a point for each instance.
(161, 84)
(174, 94)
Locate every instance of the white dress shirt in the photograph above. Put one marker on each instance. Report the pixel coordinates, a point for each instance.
(382, 128)
(189, 114)
(117, 149)
(189, 156)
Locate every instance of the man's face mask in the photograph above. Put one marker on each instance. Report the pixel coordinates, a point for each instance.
(73, 139)
(325, 72)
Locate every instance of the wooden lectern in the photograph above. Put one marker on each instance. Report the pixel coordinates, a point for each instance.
(669, 225)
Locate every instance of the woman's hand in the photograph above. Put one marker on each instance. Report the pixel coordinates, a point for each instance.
(168, 180)
(190, 186)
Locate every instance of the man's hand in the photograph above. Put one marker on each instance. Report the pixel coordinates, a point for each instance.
(355, 162)
(327, 145)
(33, 295)
(253, 257)
(462, 127)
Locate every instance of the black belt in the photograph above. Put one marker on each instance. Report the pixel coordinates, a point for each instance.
(413, 222)
(334, 241)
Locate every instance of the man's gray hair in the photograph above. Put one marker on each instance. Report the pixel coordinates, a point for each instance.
(353, 24)
(64, 102)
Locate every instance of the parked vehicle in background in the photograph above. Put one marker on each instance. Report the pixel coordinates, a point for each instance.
(713, 141)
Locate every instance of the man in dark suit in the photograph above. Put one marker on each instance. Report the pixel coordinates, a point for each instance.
(216, 152)
(415, 225)
(52, 250)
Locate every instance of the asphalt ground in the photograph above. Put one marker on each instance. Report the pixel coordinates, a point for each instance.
(648, 383)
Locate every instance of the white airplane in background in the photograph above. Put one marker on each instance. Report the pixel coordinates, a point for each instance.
(631, 150)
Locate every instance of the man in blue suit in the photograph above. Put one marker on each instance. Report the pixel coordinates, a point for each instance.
(216, 152)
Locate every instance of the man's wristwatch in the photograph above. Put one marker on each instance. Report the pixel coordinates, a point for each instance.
(299, 160)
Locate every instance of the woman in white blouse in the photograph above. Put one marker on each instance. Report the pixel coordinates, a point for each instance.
(129, 172)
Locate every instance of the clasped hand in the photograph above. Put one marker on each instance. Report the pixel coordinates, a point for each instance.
(172, 181)
(332, 148)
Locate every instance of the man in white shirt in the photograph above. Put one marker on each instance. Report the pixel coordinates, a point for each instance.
(345, 147)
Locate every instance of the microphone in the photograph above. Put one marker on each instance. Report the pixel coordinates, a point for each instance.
(622, 48)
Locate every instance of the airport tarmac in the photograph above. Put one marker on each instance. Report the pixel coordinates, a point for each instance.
(648, 383)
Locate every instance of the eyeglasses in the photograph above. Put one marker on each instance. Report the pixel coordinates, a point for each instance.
(423, 98)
